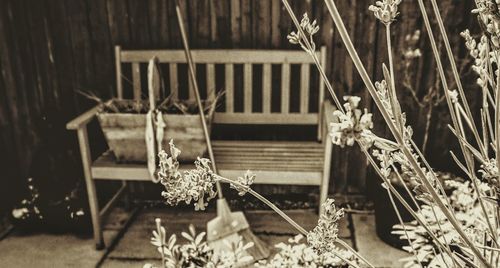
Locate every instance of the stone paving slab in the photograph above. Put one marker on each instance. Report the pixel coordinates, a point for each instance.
(56, 250)
(66, 250)
(371, 247)
(135, 244)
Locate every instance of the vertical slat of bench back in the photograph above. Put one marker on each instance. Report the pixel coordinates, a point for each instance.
(210, 81)
(229, 87)
(266, 88)
(304, 88)
(136, 80)
(248, 58)
(321, 93)
(285, 88)
(247, 81)
(174, 85)
(118, 65)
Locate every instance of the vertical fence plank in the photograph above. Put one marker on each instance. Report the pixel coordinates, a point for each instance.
(81, 43)
(158, 23)
(246, 23)
(50, 73)
(100, 38)
(262, 27)
(275, 20)
(63, 59)
(203, 21)
(222, 36)
(9, 80)
(235, 22)
(118, 21)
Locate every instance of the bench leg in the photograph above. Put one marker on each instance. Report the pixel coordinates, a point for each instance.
(91, 191)
(127, 197)
(323, 194)
(325, 182)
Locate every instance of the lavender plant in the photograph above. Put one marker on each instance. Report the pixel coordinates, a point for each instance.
(197, 185)
(441, 230)
(195, 252)
(295, 253)
(462, 244)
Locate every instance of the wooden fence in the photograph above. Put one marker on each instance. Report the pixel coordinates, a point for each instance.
(51, 49)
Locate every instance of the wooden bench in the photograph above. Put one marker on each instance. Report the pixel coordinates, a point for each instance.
(274, 162)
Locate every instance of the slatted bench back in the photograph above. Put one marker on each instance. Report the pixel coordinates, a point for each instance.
(230, 58)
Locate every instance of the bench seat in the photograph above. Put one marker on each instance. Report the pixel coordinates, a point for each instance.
(274, 162)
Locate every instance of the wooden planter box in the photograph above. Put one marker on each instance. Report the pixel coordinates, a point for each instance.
(125, 134)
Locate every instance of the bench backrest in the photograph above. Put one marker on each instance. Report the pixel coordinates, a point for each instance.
(229, 58)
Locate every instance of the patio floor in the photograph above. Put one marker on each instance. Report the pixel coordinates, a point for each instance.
(134, 250)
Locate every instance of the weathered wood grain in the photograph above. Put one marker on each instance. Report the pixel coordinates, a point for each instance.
(49, 49)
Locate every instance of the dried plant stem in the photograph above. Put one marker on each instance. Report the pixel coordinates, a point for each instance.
(453, 64)
(291, 221)
(405, 187)
(366, 79)
(426, 164)
(428, 118)
(496, 123)
(441, 230)
(402, 200)
(389, 54)
(403, 225)
(313, 55)
(453, 114)
(346, 260)
(160, 233)
(265, 201)
(346, 246)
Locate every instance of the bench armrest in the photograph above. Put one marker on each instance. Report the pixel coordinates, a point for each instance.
(82, 119)
(328, 117)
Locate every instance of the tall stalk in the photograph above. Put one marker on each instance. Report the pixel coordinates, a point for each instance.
(465, 151)
(453, 64)
(297, 226)
(398, 137)
(400, 219)
(369, 157)
(389, 55)
(265, 201)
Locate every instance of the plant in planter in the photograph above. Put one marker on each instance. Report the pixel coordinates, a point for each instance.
(124, 124)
